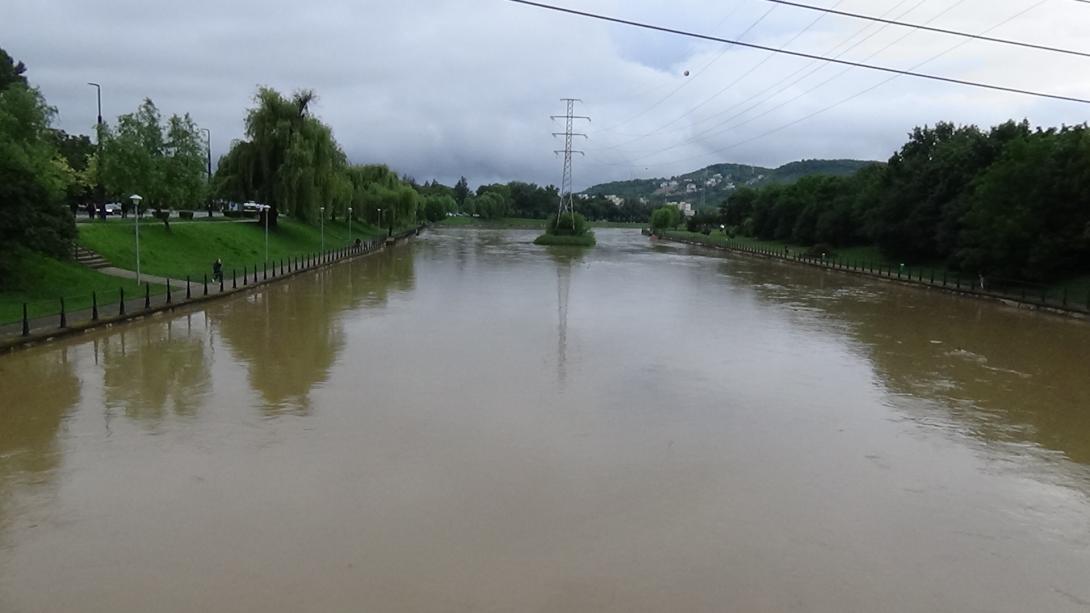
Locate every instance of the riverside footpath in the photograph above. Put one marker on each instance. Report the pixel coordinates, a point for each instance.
(172, 294)
(1020, 296)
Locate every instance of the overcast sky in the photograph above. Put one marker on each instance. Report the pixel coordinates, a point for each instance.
(442, 88)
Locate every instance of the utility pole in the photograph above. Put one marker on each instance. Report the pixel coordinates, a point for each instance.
(98, 144)
(567, 202)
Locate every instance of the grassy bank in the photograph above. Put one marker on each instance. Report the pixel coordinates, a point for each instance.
(40, 281)
(190, 249)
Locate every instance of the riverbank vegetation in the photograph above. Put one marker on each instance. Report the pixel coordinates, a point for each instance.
(190, 249)
(1010, 202)
(568, 230)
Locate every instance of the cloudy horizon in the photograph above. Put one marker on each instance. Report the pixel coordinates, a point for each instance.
(438, 89)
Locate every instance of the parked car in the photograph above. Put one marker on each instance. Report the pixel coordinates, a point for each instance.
(253, 207)
(112, 208)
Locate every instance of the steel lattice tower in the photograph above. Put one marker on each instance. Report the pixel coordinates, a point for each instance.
(567, 202)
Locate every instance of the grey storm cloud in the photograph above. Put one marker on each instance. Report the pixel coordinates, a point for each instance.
(443, 88)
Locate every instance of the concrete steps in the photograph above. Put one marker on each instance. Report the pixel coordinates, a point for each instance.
(89, 258)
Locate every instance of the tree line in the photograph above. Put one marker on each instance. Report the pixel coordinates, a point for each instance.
(1010, 201)
(36, 178)
(291, 161)
(521, 199)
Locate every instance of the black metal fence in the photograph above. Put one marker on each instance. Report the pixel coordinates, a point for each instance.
(72, 311)
(1029, 293)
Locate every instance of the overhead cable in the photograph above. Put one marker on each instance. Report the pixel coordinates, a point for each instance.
(811, 56)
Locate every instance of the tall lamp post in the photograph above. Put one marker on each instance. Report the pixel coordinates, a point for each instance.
(380, 219)
(136, 207)
(98, 142)
(349, 226)
(267, 210)
(321, 214)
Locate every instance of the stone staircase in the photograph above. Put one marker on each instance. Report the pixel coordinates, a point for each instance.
(89, 258)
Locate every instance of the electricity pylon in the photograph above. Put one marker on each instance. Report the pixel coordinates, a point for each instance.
(567, 201)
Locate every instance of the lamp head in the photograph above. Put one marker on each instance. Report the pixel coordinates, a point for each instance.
(135, 198)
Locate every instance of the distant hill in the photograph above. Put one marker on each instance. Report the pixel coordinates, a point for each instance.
(722, 179)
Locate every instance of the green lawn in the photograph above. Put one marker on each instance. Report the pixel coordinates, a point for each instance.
(190, 249)
(40, 281)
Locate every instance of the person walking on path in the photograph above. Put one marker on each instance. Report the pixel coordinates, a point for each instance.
(217, 270)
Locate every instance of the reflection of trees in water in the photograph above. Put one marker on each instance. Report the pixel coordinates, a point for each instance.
(1009, 377)
(289, 334)
(156, 368)
(37, 389)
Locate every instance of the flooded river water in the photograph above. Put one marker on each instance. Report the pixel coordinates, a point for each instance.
(473, 423)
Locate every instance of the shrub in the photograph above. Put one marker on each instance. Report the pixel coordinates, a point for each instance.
(819, 250)
(568, 224)
(185, 214)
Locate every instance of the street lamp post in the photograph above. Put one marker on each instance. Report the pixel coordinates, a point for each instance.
(321, 213)
(136, 207)
(380, 219)
(349, 226)
(267, 210)
(98, 142)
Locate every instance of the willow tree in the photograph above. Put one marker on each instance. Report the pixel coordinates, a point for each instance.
(289, 159)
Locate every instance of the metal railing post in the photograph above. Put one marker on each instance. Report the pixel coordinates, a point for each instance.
(94, 306)
(121, 309)
(64, 319)
(26, 322)
(147, 296)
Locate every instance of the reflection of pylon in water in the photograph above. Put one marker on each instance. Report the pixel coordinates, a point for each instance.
(563, 285)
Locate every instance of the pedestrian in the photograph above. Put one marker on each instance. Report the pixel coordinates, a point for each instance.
(217, 270)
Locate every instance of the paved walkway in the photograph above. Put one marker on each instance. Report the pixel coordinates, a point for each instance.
(114, 271)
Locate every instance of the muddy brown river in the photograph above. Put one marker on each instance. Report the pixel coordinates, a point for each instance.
(470, 423)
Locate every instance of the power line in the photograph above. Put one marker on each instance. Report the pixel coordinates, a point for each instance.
(810, 56)
(686, 82)
(832, 11)
(841, 101)
(719, 127)
(785, 79)
(727, 87)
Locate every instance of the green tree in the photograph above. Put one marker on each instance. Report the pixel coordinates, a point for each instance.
(665, 218)
(11, 72)
(461, 190)
(491, 205)
(33, 177)
(290, 159)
